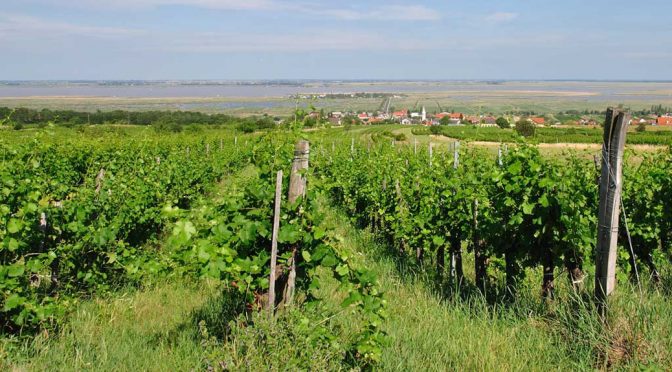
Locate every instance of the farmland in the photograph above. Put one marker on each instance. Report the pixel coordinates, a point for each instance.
(272, 98)
(124, 247)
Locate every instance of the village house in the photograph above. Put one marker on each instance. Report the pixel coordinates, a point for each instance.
(538, 121)
(472, 119)
(664, 120)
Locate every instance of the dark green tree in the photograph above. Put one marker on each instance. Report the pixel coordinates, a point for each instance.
(525, 127)
(503, 123)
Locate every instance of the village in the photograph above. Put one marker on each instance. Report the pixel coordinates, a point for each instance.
(422, 117)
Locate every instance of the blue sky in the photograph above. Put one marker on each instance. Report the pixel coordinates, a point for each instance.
(347, 39)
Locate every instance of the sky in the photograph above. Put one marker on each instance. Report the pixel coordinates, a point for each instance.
(345, 39)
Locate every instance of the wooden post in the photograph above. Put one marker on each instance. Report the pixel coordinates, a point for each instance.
(500, 162)
(158, 160)
(221, 144)
(207, 149)
(415, 146)
(99, 180)
(274, 243)
(456, 156)
(352, 146)
(297, 188)
(615, 129)
(297, 181)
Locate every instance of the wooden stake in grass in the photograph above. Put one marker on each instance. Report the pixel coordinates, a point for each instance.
(297, 188)
(415, 146)
(615, 129)
(274, 243)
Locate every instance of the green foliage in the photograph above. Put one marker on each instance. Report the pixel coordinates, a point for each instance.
(525, 127)
(503, 123)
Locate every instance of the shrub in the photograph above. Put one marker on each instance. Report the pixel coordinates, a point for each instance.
(503, 123)
(525, 128)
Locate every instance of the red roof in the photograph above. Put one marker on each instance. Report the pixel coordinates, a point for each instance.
(538, 120)
(363, 116)
(402, 113)
(456, 115)
(441, 115)
(665, 120)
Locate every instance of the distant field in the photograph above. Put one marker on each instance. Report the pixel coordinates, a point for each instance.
(467, 97)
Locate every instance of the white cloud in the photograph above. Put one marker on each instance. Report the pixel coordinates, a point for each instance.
(22, 27)
(501, 17)
(32, 32)
(387, 12)
(390, 12)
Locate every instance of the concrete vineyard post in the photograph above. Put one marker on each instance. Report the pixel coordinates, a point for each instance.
(274, 243)
(297, 188)
(615, 129)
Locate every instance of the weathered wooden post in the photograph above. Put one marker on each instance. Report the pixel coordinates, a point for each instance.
(352, 146)
(415, 146)
(99, 180)
(615, 129)
(500, 162)
(456, 156)
(274, 243)
(207, 149)
(221, 144)
(297, 189)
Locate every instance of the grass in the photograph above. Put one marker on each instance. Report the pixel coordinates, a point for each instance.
(192, 326)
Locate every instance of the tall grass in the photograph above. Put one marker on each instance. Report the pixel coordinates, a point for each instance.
(432, 325)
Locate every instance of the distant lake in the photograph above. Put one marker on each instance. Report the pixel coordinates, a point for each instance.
(592, 90)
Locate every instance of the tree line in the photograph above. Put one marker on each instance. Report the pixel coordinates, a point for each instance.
(162, 120)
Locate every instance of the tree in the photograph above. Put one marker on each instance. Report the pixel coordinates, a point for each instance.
(503, 123)
(641, 127)
(525, 127)
(445, 120)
